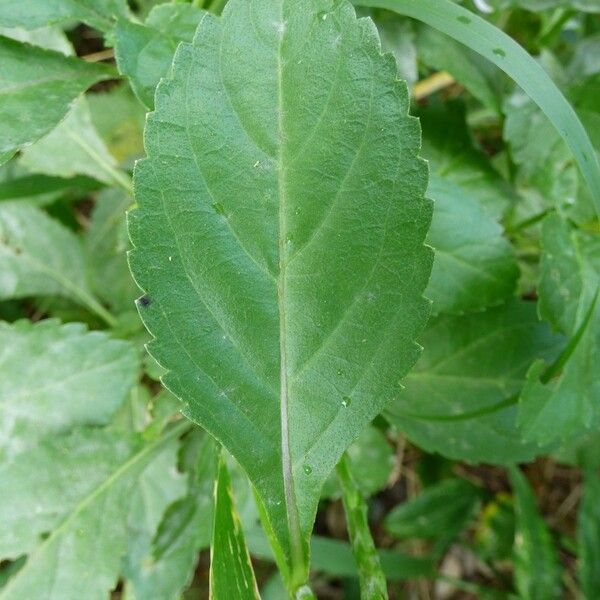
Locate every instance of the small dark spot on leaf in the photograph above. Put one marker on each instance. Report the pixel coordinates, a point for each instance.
(464, 19)
(499, 52)
(144, 301)
(18, 250)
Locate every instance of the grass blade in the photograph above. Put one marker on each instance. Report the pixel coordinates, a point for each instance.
(231, 573)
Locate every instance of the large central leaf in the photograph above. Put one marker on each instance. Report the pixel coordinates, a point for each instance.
(279, 239)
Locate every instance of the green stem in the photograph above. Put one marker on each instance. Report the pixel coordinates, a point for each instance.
(529, 222)
(216, 6)
(370, 575)
(94, 306)
(554, 369)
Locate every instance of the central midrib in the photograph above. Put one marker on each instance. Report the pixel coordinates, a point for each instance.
(297, 555)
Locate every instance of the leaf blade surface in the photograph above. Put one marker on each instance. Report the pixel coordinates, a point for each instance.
(299, 259)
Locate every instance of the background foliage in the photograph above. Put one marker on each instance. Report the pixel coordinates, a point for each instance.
(479, 478)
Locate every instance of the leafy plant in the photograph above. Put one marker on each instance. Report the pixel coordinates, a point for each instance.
(369, 261)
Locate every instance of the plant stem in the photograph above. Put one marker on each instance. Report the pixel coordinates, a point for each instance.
(371, 578)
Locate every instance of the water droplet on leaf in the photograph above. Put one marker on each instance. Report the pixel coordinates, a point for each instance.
(307, 469)
(346, 401)
(499, 52)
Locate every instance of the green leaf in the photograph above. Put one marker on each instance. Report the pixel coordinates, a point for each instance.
(460, 399)
(537, 573)
(372, 580)
(54, 377)
(158, 487)
(119, 118)
(453, 156)
(474, 266)
(36, 13)
(6, 156)
(439, 512)
(45, 482)
(87, 480)
(42, 190)
(106, 244)
(186, 528)
(74, 148)
(546, 171)
(231, 573)
(29, 78)
(284, 302)
(492, 43)
(440, 52)
(562, 402)
(51, 38)
(397, 37)
(588, 536)
(41, 257)
(145, 52)
(371, 460)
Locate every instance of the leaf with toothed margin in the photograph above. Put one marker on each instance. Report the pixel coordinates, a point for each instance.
(145, 52)
(29, 77)
(279, 240)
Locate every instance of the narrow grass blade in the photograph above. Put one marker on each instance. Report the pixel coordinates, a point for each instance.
(231, 574)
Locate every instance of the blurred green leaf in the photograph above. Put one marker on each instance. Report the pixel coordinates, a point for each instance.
(478, 75)
(537, 572)
(335, 558)
(437, 513)
(40, 257)
(460, 399)
(371, 460)
(145, 52)
(36, 13)
(454, 157)
(29, 75)
(474, 266)
(82, 511)
(495, 530)
(106, 244)
(562, 401)
(74, 148)
(54, 377)
(186, 528)
(119, 119)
